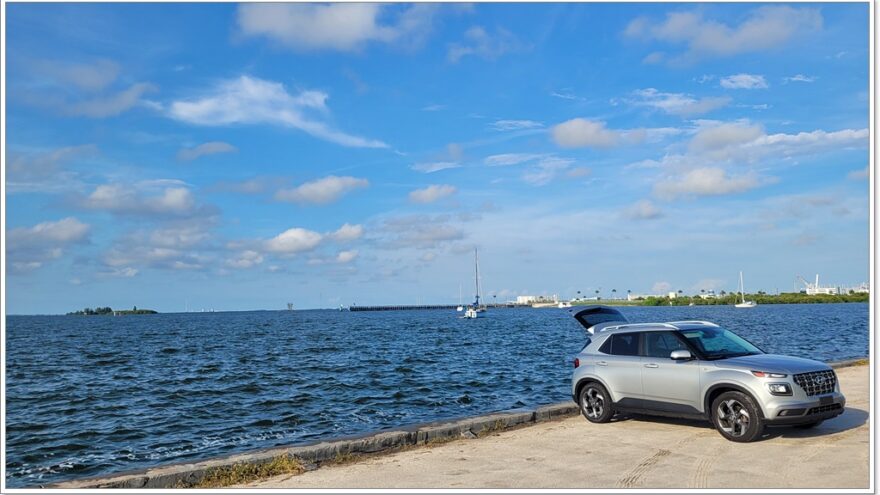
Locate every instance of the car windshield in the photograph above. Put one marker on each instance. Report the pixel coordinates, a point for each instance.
(718, 343)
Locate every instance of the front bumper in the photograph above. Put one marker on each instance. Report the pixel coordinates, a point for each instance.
(805, 412)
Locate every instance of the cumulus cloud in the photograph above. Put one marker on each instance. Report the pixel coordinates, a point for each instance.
(336, 26)
(293, 241)
(29, 248)
(322, 191)
(245, 259)
(248, 100)
(680, 104)
(431, 193)
(744, 81)
(765, 28)
(346, 256)
(177, 245)
(347, 233)
(142, 199)
(515, 125)
(719, 137)
(420, 231)
(210, 148)
(581, 133)
(706, 181)
(643, 210)
(478, 42)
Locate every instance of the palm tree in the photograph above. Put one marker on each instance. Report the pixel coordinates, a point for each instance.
(613, 292)
(597, 295)
(579, 296)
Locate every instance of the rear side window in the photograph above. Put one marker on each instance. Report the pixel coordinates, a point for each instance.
(622, 344)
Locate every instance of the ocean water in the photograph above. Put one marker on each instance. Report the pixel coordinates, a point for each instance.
(88, 396)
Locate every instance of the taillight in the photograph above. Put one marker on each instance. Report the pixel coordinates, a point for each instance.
(577, 362)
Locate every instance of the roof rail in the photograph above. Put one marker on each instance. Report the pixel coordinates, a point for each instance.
(638, 325)
(698, 322)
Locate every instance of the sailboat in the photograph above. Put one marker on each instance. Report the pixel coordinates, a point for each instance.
(475, 310)
(744, 303)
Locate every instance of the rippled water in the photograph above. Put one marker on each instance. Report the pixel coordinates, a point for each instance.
(94, 395)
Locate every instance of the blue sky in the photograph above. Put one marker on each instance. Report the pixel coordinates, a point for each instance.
(245, 156)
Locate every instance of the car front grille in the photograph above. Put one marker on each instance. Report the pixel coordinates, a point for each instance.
(821, 409)
(816, 382)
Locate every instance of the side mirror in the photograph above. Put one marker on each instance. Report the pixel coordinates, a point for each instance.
(681, 355)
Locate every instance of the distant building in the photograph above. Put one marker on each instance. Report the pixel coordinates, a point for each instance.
(537, 299)
(816, 289)
(673, 294)
(640, 297)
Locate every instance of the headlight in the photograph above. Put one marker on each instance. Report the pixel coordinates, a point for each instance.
(764, 374)
(779, 388)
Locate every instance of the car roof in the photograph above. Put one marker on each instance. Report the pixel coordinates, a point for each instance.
(654, 327)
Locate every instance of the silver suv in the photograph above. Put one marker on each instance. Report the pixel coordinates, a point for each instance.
(696, 369)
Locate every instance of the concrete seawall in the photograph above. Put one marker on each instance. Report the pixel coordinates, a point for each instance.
(315, 454)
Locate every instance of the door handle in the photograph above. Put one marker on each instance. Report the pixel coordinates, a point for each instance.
(652, 365)
(601, 363)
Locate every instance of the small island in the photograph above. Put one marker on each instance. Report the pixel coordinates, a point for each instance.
(110, 311)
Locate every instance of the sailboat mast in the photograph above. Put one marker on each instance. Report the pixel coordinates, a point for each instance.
(477, 275)
(741, 287)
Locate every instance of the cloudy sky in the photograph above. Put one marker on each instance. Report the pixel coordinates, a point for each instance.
(245, 156)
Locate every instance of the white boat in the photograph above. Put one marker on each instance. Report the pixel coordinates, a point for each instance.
(563, 304)
(744, 303)
(475, 310)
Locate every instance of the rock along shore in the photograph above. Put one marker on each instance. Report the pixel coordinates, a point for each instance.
(315, 454)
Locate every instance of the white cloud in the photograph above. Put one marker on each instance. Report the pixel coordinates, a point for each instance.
(765, 28)
(515, 125)
(420, 231)
(506, 159)
(144, 198)
(245, 259)
(679, 104)
(249, 100)
(799, 78)
(346, 256)
(706, 181)
(861, 174)
(431, 167)
(85, 76)
(643, 210)
(721, 136)
(29, 248)
(109, 105)
(478, 42)
(580, 133)
(567, 95)
(744, 81)
(41, 171)
(210, 148)
(433, 108)
(347, 233)
(546, 169)
(661, 288)
(321, 191)
(431, 193)
(336, 26)
(293, 241)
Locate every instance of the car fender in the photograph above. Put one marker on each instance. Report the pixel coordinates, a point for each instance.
(730, 383)
(589, 377)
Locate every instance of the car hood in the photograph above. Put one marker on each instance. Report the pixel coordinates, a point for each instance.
(773, 363)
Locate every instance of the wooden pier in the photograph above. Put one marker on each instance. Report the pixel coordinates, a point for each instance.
(403, 307)
(421, 307)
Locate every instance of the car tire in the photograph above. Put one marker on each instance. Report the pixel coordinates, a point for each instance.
(595, 403)
(737, 417)
(807, 426)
